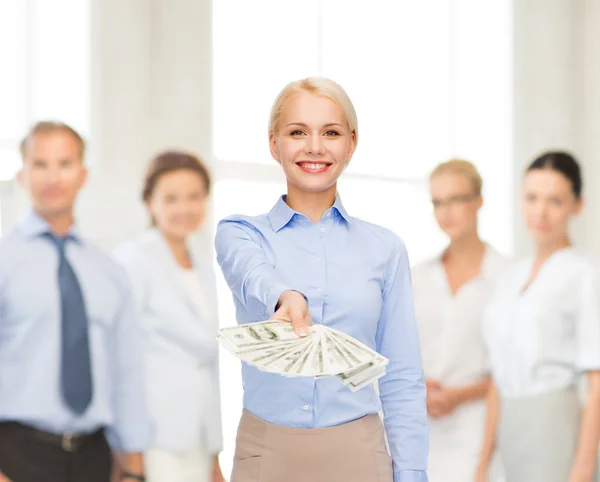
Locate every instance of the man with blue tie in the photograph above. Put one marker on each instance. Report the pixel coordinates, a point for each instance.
(71, 372)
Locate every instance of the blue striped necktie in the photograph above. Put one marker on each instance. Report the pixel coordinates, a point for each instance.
(75, 364)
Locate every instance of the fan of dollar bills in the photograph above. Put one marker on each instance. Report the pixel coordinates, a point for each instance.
(272, 346)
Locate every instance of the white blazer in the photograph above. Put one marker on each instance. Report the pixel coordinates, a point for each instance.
(181, 348)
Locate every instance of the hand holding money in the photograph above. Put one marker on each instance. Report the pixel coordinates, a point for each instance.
(292, 307)
(273, 346)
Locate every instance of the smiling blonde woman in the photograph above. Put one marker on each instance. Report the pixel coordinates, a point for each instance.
(309, 261)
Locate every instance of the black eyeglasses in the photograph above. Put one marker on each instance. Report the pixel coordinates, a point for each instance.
(453, 200)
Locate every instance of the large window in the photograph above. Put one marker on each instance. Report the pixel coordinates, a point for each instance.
(44, 59)
(430, 80)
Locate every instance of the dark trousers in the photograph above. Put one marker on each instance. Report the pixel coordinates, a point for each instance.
(29, 455)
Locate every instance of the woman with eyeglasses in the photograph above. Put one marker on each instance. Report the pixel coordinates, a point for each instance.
(542, 327)
(450, 293)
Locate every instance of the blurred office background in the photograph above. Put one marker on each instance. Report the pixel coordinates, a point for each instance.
(492, 81)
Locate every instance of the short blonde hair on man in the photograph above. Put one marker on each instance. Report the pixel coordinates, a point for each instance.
(320, 86)
(48, 127)
(462, 167)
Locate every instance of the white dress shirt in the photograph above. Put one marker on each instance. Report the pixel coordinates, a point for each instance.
(543, 338)
(199, 296)
(454, 353)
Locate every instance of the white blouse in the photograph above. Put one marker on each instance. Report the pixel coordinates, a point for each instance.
(454, 353)
(198, 295)
(452, 345)
(543, 338)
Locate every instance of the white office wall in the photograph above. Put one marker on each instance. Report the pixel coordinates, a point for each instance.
(557, 98)
(589, 14)
(151, 87)
(151, 91)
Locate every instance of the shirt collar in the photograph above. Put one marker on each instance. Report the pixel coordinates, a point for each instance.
(339, 207)
(33, 225)
(489, 255)
(281, 214)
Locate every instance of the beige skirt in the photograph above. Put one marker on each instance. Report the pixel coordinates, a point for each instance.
(352, 452)
(537, 436)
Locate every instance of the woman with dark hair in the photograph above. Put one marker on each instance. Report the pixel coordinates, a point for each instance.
(176, 296)
(542, 328)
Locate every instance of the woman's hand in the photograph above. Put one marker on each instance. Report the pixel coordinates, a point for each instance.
(432, 385)
(582, 473)
(442, 402)
(217, 474)
(292, 307)
(589, 433)
(481, 473)
(3, 478)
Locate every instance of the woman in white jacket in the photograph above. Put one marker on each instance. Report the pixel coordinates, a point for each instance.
(176, 296)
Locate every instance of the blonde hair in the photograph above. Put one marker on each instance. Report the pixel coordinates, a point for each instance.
(320, 86)
(462, 167)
